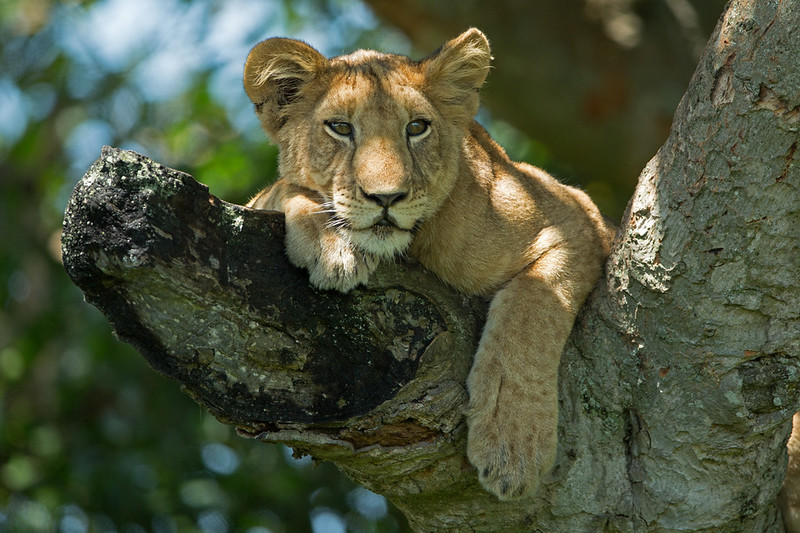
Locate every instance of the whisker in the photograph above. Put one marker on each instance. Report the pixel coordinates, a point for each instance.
(325, 207)
(336, 223)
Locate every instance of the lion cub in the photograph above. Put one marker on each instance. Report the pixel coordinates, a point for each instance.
(380, 156)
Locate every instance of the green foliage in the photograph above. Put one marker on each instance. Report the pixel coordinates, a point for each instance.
(91, 439)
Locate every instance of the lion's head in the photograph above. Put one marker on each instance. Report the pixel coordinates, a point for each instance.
(378, 136)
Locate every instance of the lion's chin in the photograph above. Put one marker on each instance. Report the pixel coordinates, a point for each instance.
(382, 241)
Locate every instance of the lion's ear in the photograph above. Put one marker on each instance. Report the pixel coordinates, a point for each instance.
(456, 71)
(274, 75)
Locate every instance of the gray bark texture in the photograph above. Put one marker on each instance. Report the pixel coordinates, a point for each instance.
(677, 385)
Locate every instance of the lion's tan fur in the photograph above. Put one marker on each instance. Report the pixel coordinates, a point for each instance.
(449, 198)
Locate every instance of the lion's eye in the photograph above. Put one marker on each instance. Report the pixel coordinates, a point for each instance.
(416, 127)
(345, 129)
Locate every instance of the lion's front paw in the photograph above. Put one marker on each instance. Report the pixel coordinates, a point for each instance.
(340, 266)
(511, 457)
(511, 441)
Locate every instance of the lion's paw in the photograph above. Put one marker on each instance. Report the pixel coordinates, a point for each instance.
(512, 446)
(340, 265)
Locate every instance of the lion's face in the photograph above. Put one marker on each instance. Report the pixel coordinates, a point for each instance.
(376, 135)
(371, 146)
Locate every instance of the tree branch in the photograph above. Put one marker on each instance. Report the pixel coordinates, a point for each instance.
(203, 289)
(705, 283)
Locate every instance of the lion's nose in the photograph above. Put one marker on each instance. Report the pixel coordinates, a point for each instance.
(385, 199)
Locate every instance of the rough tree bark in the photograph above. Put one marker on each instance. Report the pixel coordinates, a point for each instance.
(678, 383)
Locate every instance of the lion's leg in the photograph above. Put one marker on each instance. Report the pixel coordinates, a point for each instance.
(513, 414)
(312, 242)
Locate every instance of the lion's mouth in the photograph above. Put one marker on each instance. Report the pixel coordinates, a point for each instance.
(386, 227)
(386, 221)
(383, 226)
(384, 237)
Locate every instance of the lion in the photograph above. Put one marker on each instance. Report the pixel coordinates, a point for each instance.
(380, 157)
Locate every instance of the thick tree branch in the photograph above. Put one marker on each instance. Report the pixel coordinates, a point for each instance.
(706, 281)
(203, 289)
(678, 383)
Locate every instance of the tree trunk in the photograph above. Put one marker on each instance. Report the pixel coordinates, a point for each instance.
(678, 383)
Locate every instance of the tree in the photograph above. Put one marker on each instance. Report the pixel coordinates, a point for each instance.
(678, 383)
